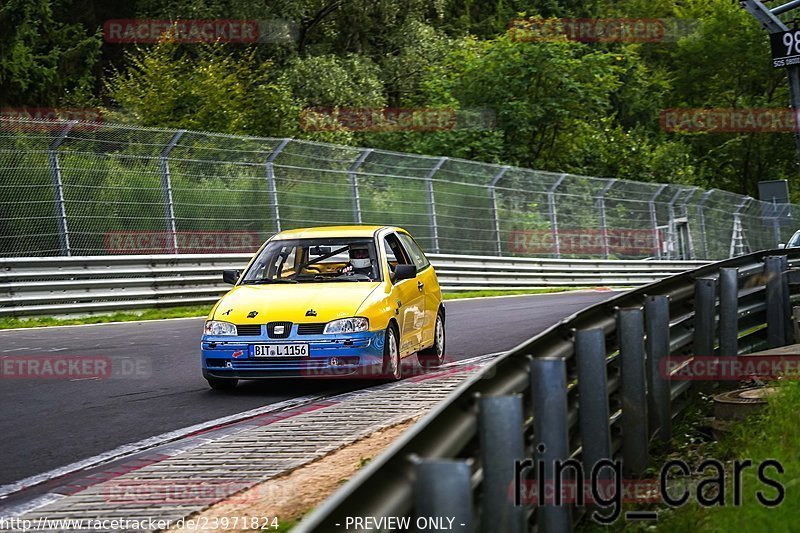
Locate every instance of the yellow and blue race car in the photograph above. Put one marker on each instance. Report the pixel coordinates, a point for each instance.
(326, 302)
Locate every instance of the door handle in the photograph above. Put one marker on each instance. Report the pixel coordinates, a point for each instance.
(420, 285)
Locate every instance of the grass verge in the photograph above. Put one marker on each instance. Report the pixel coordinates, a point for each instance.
(202, 310)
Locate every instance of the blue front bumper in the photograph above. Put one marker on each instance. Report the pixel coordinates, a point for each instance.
(330, 356)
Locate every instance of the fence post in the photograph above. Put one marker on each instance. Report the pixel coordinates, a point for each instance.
(590, 356)
(351, 173)
(685, 203)
(602, 212)
(737, 225)
(493, 195)
(701, 217)
(776, 222)
(728, 312)
(432, 202)
(166, 188)
(705, 295)
(654, 222)
(443, 488)
(630, 331)
(659, 394)
(272, 186)
(775, 305)
(500, 426)
(551, 207)
(549, 397)
(673, 231)
(58, 188)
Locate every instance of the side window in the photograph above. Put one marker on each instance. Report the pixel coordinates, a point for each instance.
(417, 256)
(395, 253)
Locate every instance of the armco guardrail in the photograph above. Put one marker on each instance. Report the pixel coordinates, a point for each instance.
(459, 461)
(64, 285)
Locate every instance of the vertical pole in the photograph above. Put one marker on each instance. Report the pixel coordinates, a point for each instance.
(702, 219)
(630, 329)
(659, 394)
(654, 222)
(775, 306)
(691, 192)
(549, 396)
(443, 488)
(673, 237)
(737, 225)
(272, 186)
(495, 216)
(728, 312)
(166, 188)
(500, 426)
(787, 302)
(58, 188)
(705, 295)
(351, 173)
(602, 212)
(432, 203)
(551, 207)
(590, 355)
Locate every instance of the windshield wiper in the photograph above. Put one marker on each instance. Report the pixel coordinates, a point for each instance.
(267, 281)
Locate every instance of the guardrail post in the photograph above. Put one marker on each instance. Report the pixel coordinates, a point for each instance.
(776, 329)
(602, 213)
(549, 396)
(654, 222)
(271, 185)
(58, 188)
(787, 302)
(500, 425)
(701, 217)
(432, 203)
(728, 312)
(659, 396)
(443, 488)
(166, 188)
(351, 173)
(630, 331)
(705, 295)
(493, 195)
(551, 208)
(590, 356)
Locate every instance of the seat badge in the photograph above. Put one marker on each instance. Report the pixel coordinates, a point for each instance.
(278, 330)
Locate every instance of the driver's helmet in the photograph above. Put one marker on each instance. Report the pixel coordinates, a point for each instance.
(359, 256)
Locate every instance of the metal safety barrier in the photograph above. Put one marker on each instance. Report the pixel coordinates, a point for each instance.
(70, 285)
(591, 388)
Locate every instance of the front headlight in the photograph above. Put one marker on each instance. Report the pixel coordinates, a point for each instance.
(347, 325)
(215, 327)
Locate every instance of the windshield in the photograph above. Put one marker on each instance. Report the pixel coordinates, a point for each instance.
(794, 242)
(315, 261)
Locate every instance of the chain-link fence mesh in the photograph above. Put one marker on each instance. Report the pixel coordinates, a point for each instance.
(89, 189)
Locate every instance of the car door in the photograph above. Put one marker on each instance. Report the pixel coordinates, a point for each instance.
(407, 297)
(426, 283)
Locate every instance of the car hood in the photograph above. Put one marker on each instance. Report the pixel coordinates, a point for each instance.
(292, 303)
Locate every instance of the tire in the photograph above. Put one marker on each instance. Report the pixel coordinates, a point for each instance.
(222, 384)
(434, 355)
(392, 369)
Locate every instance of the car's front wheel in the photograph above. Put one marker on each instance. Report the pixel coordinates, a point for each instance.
(434, 355)
(391, 354)
(222, 384)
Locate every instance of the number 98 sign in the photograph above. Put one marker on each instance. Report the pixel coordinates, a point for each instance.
(785, 48)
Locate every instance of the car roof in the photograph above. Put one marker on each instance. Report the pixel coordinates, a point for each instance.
(332, 232)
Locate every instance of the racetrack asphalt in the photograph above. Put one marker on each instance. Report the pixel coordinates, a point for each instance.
(49, 423)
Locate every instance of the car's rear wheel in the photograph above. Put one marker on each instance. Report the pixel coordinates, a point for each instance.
(391, 354)
(434, 355)
(222, 384)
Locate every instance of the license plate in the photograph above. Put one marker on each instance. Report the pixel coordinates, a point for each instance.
(280, 350)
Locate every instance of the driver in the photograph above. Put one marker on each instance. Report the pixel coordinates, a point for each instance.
(360, 263)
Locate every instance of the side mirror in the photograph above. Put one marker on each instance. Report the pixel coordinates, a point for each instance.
(781, 246)
(231, 276)
(402, 272)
